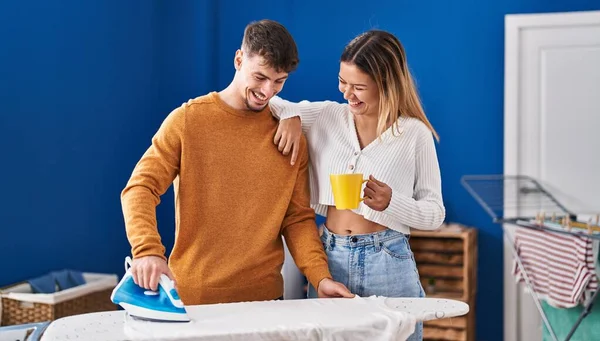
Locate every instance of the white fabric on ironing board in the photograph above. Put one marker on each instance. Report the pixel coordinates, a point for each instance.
(371, 318)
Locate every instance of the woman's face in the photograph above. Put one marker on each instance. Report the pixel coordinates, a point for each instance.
(359, 89)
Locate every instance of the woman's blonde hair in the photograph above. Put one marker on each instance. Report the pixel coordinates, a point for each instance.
(380, 55)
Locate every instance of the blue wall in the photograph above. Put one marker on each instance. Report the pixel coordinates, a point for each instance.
(84, 86)
(78, 84)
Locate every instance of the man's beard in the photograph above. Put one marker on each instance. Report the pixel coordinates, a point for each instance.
(247, 101)
(253, 109)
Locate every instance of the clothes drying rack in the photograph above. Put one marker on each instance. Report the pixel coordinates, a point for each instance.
(521, 201)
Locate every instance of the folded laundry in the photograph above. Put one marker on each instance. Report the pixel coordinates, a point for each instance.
(56, 281)
(66, 279)
(43, 284)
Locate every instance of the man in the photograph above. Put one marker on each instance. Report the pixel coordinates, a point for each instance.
(235, 193)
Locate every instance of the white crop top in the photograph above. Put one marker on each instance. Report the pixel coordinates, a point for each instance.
(406, 161)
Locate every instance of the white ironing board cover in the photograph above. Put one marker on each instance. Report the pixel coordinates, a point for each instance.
(371, 318)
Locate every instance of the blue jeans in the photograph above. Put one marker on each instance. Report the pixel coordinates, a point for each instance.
(379, 263)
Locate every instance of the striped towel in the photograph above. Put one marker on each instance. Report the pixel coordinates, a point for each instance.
(560, 266)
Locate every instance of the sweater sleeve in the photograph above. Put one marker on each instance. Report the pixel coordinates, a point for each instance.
(425, 209)
(300, 230)
(151, 177)
(308, 111)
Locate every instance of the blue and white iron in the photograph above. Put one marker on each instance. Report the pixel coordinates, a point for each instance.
(161, 305)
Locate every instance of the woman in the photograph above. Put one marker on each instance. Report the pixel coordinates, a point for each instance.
(382, 132)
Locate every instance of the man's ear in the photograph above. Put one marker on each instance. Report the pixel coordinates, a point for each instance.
(237, 60)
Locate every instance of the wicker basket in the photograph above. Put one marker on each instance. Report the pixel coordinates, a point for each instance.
(19, 305)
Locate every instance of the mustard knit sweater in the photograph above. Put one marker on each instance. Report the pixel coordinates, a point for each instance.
(235, 195)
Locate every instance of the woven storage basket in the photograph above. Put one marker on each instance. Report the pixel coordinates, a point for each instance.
(19, 305)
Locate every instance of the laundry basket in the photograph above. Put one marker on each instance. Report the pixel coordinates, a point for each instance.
(19, 305)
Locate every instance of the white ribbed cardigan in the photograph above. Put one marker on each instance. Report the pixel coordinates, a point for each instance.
(405, 160)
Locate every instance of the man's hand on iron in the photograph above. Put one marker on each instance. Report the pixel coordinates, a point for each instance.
(329, 288)
(146, 271)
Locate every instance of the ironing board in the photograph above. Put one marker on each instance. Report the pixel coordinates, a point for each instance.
(371, 318)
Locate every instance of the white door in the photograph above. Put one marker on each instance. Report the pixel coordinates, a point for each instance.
(551, 126)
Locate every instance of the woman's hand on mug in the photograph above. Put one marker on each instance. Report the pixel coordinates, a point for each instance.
(377, 194)
(287, 137)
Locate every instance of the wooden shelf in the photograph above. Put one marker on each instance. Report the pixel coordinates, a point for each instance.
(447, 264)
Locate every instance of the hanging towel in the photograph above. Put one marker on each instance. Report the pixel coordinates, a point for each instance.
(560, 266)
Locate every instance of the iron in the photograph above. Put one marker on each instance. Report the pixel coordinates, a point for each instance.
(163, 305)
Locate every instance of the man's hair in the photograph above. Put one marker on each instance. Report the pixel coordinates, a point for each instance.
(272, 41)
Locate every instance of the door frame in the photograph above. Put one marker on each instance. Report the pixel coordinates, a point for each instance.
(515, 24)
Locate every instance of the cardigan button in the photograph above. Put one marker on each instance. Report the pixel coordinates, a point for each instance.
(351, 167)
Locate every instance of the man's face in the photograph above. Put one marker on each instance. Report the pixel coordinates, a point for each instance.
(258, 82)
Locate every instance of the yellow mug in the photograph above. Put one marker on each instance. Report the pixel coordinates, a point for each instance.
(346, 190)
